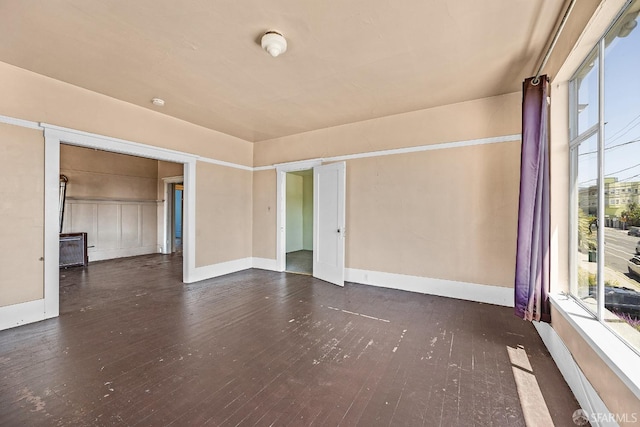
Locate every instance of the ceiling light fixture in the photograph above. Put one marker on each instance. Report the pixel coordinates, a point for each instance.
(274, 43)
(158, 102)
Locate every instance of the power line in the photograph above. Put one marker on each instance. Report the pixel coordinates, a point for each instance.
(614, 137)
(622, 170)
(631, 177)
(633, 141)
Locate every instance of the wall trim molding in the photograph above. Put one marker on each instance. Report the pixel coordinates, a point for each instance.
(264, 264)
(116, 145)
(287, 165)
(22, 313)
(20, 122)
(223, 163)
(394, 151)
(220, 269)
(298, 165)
(122, 253)
(488, 294)
(110, 201)
(173, 153)
(430, 147)
(582, 389)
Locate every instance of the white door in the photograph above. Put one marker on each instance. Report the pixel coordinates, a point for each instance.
(329, 222)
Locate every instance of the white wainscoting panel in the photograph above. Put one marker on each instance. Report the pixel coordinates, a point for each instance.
(115, 228)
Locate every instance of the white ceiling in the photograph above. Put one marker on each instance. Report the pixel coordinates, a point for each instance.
(347, 60)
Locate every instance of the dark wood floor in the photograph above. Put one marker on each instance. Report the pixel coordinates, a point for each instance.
(300, 262)
(134, 346)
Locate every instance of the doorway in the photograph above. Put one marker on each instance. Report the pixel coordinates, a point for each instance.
(173, 215)
(53, 136)
(328, 223)
(299, 222)
(178, 204)
(113, 199)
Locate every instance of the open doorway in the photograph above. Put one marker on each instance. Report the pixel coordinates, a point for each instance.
(328, 221)
(299, 222)
(174, 222)
(178, 204)
(114, 199)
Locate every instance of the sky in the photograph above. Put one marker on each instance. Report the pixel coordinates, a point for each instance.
(622, 112)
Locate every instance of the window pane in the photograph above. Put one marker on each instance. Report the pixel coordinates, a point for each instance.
(587, 94)
(622, 179)
(584, 287)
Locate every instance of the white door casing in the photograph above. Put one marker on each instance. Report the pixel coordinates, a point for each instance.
(329, 186)
(166, 212)
(281, 197)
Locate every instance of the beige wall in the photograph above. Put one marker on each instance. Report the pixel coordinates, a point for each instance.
(448, 214)
(223, 214)
(22, 213)
(100, 174)
(30, 96)
(169, 169)
(264, 214)
(482, 118)
(113, 198)
(166, 170)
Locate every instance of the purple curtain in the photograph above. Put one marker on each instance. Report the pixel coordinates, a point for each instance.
(532, 256)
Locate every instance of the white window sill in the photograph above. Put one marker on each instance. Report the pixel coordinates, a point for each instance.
(615, 353)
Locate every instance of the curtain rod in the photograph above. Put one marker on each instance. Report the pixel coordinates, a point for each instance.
(536, 80)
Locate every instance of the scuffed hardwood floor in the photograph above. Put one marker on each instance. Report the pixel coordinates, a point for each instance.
(134, 346)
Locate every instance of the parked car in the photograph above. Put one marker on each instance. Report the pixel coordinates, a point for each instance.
(620, 299)
(638, 248)
(634, 231)
(634, 265)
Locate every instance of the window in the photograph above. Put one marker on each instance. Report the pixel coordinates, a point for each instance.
(605, 153)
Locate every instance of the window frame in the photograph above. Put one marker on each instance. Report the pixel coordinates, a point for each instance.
(575, 140)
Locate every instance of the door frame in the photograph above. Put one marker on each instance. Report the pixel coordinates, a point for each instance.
(281, 198)
(167, 214)
(53, 137)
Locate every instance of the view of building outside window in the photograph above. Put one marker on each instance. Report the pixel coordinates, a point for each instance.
(607, 200)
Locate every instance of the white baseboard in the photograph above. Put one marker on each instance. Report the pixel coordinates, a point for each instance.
(21, 314)
(497, 295)
(582, 389)
(265, 264)
(215, 270)
(121, 253)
